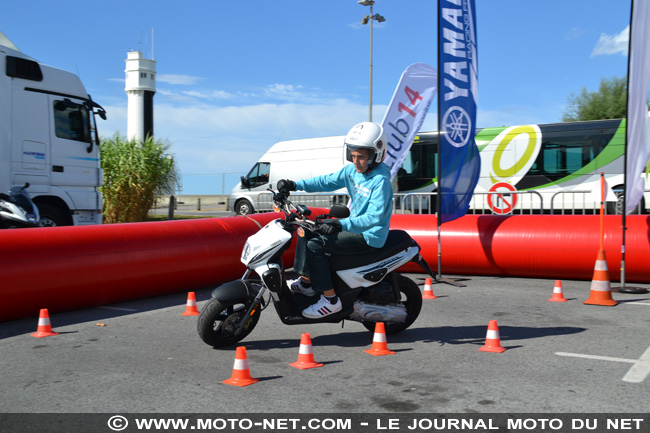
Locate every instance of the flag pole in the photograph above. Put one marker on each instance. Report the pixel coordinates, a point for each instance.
(623, 289)
(602, 211)
(439, 163)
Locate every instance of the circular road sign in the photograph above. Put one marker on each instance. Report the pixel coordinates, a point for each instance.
(502, 200)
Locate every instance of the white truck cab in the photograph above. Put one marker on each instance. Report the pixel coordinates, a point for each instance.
(48, 138)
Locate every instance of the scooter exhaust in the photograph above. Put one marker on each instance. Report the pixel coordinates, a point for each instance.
(365, 312)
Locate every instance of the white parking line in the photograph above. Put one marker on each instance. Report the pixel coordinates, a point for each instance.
(637, 373)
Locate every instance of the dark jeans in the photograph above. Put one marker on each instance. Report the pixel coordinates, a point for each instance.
(313, 255)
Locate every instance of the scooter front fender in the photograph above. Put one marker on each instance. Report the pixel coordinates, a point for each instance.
(238, 290)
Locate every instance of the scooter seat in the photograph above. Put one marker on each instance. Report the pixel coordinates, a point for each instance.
(398, 240)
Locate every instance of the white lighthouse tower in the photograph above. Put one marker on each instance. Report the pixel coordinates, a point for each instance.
(140, 88)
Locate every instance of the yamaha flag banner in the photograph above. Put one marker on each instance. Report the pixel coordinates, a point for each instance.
(638, 125)
(407, 110)
(460, 163)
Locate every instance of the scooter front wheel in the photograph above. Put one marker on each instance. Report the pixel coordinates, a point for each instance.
(219, 322)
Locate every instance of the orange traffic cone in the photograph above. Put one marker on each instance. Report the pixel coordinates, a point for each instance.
(492, 339)
(601, 292)
(428, 291)
(190, 309)
(558, 296)
(379, 346)
(44, 326)
(241, 376)
(305, 354)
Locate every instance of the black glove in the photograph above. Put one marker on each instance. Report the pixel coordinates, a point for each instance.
(286, 186)
(330, 227)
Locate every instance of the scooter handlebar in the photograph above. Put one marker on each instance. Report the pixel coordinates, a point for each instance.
(296, 215)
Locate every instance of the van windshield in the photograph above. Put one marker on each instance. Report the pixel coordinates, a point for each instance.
(259, 174)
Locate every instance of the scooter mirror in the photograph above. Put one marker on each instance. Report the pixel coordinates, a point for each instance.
(339, 211)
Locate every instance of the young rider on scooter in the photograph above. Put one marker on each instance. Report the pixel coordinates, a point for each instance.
(371, 194)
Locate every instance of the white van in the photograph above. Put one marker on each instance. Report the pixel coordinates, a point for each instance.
(48, 138)
(295, 160)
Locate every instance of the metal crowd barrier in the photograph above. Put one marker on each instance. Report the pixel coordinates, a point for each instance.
(482, 203)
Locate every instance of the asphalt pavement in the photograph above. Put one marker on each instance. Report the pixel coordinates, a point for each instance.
(143, 356)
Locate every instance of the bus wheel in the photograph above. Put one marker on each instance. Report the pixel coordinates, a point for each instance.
(243, 207)
(51, 216)
(617, 207)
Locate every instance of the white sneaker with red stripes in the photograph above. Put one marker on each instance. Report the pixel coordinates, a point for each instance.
(297, 286)
(322, 308)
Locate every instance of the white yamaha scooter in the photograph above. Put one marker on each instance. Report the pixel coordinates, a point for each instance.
(17, 209)
(367, 284)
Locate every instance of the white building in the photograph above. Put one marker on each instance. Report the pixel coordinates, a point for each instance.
(140, 88)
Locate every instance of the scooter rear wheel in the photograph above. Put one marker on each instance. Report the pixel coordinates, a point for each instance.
(411, 297)
(219, 321)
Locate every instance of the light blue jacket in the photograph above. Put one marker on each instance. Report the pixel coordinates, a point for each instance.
(371, 199)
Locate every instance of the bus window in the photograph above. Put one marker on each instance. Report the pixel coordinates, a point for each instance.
(560, 160)
(419, 167)
(565, 154)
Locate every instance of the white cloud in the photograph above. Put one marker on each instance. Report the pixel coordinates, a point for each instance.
(213, 94)
(283, 91)
(575, 33)
(178, 79)
(174, 79)
(612, 44)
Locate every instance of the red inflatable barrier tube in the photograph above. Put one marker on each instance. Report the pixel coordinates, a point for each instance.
(65, 268)
(543, 246)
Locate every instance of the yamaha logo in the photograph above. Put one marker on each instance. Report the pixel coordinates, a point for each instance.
(456, 124)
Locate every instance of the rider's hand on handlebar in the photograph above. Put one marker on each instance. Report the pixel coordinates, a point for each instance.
(330, 227)
(286, 186)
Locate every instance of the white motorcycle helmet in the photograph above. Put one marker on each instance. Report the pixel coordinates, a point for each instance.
(367, 135)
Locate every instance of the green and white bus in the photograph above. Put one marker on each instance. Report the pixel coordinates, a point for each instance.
(530, 169)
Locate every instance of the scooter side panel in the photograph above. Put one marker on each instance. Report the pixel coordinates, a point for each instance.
(354, 277)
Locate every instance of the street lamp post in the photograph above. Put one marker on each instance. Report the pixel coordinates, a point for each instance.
(364, 21)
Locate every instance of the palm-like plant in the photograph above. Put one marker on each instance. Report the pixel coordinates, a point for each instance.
(135, 173)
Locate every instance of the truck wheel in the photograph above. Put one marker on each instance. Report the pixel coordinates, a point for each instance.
(51, 216)
(243, 207)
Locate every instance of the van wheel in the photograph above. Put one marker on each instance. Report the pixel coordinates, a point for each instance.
(243, 207)
(51, 216)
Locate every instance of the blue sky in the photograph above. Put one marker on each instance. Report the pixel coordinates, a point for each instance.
(234, 77)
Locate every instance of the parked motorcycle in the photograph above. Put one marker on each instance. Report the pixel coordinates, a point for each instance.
(368, 285)
(17, 209)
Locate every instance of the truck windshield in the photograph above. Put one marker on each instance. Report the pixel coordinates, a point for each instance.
(71, 121)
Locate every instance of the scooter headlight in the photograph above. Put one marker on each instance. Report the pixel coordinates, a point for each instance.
(246, 252)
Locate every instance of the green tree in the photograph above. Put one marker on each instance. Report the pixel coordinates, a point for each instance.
(609, 102)
(135, 172)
